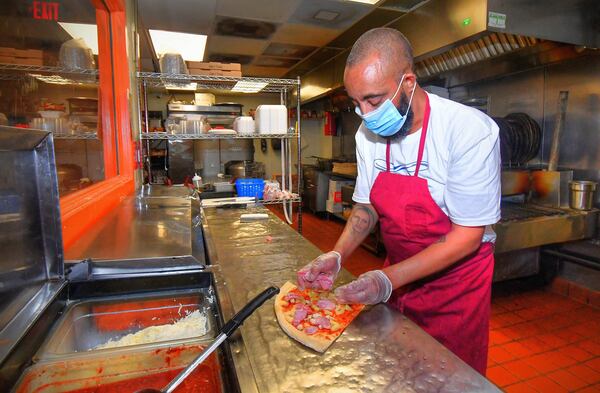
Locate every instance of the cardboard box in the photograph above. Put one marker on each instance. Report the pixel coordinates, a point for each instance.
(231, 67)
(7, 59)
(335, 189)
(28, 61)
(333, 207)
(345, 168)
(196, 71)
(235, 74)
(198, 65)
(214, 65)
(7, 52)
(21, 53)
(35, 53)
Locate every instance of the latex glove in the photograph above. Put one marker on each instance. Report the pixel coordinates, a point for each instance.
(321, 272)
(369, 288)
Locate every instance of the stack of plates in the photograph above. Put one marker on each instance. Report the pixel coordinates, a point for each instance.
(520, 138)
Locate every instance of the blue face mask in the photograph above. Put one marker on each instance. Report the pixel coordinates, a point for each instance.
(386, 120)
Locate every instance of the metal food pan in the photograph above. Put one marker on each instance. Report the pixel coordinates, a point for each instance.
(123, 372)
(92, 322)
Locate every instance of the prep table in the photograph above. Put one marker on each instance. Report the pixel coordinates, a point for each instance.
(380, 351)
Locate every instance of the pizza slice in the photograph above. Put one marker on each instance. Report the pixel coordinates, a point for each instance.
(313, 318)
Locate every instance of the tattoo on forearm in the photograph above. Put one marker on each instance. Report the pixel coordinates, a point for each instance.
(362, 220)
(441, 239)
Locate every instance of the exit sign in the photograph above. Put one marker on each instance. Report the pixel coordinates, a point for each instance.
(46, 10)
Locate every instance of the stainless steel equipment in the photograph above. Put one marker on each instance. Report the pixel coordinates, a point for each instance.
(68, 310)
(581, 195)
(227, 330)
(237, 169)
(31, 263)
(448, 34)
(381, 349)
(217, 115)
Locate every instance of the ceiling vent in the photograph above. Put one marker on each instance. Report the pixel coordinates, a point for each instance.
(245, 28)
(326, 16)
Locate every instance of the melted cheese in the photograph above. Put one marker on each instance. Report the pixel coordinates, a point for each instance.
(192, 325)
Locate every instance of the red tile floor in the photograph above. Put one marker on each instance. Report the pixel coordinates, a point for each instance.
(539, 341)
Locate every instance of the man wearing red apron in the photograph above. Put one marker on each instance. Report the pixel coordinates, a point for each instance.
(429, 173)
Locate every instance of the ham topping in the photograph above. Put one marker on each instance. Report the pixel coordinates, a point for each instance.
(310, 330)
(321, 321)
(300, 314)
(326, 304)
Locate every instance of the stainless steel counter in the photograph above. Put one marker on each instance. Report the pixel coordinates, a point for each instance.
(156, 223)
(381, 351)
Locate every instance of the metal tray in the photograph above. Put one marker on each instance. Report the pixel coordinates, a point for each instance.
(117, 371)
(86, 324)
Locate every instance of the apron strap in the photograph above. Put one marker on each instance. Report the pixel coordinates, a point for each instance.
(423, 136)
(387, 156)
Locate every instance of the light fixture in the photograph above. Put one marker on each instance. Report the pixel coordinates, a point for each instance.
(86, 31)
(248, 87)
(190, 46)
(365, 1)
(181, 86)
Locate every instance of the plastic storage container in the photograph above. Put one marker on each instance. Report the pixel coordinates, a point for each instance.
(271, 119)
(89, 323)
(250, 187)
(244, 125)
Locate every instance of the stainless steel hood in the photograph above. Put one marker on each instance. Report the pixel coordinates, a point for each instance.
(448, 34)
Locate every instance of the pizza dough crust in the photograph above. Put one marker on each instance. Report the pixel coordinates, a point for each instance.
(316, 342)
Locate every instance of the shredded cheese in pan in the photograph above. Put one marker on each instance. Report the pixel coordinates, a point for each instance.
(192, 325)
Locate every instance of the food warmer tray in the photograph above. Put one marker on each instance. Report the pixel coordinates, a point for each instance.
(46, 309)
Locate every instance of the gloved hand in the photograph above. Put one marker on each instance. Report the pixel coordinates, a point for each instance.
(369, 288)
(321, 272)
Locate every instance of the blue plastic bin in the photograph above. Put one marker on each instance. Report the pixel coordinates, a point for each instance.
(250, 187)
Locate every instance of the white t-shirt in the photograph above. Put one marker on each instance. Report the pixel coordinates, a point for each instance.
(461, 163)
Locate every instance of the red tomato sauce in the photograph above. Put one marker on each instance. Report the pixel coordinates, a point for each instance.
(205, 379)
(202, 380)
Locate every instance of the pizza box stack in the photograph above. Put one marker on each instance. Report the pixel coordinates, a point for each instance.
(214, 68)
(33, 57)
(334, 198)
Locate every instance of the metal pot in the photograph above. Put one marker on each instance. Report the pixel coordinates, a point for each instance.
(581, 195)
(237, 169)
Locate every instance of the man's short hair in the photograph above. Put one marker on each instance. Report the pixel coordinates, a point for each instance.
(389, 44)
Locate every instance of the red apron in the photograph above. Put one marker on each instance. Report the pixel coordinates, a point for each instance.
(453, 305)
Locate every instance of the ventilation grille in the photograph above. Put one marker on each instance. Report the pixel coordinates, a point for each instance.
(487, 47)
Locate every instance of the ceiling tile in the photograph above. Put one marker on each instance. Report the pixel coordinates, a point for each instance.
(235, 45)
(349, 13)
(244, 28)
(253, 70)
(267, 10)
(304, 34)
(288, 50)
(268, 61)
(377, 18)
(176, 15)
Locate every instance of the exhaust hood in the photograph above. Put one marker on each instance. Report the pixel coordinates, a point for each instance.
(448, 34)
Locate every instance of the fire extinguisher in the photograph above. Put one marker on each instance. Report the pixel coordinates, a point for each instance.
(329, 127)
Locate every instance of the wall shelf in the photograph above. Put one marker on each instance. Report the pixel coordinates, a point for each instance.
(165, 136)
(288, 91)
(272, 85)
(83, 136)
